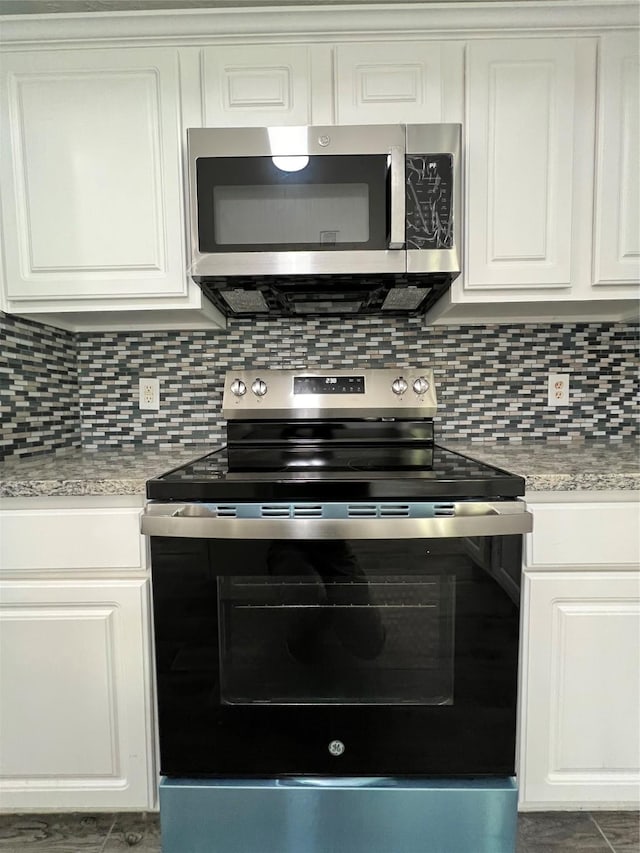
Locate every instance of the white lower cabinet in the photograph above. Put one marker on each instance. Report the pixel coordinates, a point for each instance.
(76, 725)
(580, 672)
(75, 694)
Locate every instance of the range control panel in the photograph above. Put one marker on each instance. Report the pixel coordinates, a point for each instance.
(374, 393)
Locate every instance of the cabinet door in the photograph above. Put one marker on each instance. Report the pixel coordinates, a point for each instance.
(580, 739)
(256, 85)
(530, 118)
(388, 83)
(75, 727)
(617, 205)
(91, 175)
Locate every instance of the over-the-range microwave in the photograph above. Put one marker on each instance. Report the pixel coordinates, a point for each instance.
(325, 220)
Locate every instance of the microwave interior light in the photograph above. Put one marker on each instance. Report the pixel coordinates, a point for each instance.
(291, 164)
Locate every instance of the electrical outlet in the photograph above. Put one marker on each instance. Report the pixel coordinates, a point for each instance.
(149, 394)
(558, 389)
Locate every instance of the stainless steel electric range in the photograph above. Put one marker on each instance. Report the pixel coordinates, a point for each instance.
(336, 615)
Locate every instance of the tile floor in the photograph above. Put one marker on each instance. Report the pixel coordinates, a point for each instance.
(544, 832)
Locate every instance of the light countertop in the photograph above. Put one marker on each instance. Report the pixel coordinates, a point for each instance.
(97, 472)
(545, 466)
(562, 465)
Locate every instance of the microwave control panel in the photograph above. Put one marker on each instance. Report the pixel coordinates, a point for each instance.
(429, 201)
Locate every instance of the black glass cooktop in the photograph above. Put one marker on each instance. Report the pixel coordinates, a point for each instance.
(290, 474)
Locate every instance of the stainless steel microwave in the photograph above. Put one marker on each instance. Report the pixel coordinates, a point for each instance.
(306, 220)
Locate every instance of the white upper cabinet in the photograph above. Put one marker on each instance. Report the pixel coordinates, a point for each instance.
(91, 175)
(616, 256)
(395, 82)
(529, 145)
(93, 144)
(256, 85)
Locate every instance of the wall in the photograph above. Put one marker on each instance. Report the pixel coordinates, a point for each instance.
(491, 380)
(39, 404)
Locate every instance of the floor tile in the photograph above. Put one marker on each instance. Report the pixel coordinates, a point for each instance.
(621, 829)
(139, 833)
(543, 832)
(54, 833)
(559, 832)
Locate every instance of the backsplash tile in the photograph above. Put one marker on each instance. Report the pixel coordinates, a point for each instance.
(491, 380)
(38, 388)
(59, 390)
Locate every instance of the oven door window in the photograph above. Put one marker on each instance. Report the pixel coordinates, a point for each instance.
(320, 631)
(253, 204)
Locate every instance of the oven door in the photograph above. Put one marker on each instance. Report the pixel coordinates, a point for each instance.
(297, 200)
(368, 654)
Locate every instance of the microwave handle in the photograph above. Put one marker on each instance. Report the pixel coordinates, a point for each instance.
(397, 236)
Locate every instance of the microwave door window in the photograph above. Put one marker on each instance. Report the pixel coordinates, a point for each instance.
(291, 214)
(332, 203)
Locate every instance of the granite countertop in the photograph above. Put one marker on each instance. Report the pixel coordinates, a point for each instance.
(562, 465)
(99, 472)
(546, 466)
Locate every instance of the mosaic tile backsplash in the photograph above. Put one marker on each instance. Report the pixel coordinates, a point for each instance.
(39, 401)
(491, 380)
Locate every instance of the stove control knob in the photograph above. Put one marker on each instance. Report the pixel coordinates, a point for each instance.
(399, 385)
(421, 386)
(238, 388)
(259, 387)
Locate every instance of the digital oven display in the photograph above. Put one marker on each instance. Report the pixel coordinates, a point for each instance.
(328, 384)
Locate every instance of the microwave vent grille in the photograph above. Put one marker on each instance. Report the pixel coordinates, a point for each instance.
(404, 298)
(326, 307)
(245, 301)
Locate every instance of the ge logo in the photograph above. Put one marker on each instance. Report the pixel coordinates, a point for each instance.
(336, 747)
(324, 141)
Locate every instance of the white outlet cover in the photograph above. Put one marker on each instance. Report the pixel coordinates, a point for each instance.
(149, 394)
(558, 389)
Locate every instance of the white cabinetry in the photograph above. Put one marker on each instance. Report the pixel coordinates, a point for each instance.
(580, 702)
(94, 154)
(76, 726)
(617, 212)
(399, 82)
(527, 151)
(256, 85)
(92, 184)
(531, 119)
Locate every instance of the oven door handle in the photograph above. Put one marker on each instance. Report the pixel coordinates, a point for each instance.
(472, 518)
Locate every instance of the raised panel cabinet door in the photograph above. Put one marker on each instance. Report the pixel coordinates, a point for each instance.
(91, 173)
(256, 85)
(580, 732)
(392, 82)
(530, 116)
(75, 727)
(617, 202)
